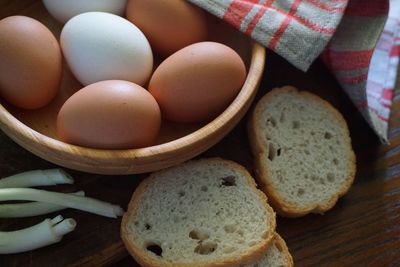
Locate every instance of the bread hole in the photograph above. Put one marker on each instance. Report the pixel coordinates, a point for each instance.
(336, 161)
(312, 133)
(181, 193)
(278, 152)
(205, 248)
(321, 181)
(271, 151)
(155, 248)
(147, 226)
(169, 246)
(271, 121)
(240, 232)
(199, 234)
(330, 177)
(228, 181)
(307, 152)
(204, 188)
(296, 125)
(136, 223)
(300, 192)
(327, 135)
(314, 178)
(230, 228)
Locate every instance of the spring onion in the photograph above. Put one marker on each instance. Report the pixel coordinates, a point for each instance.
(36, 178)
(48, 232)
(71, 201)
(30, 209)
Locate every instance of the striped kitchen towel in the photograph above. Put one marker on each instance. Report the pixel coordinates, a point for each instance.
(344, 32)
(364, 55)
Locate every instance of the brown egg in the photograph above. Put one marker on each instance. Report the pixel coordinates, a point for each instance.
(168, 25)
(30, 62)
(111, 115)
(198, 82)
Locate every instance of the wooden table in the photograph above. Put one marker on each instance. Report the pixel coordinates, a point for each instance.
(363, 229)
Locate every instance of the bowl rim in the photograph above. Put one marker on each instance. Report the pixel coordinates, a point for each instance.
(23, 131)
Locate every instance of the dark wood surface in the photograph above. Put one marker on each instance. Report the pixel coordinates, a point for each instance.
(363, 229)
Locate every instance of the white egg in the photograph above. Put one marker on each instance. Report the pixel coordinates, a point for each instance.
(63, 10)
(101, 46)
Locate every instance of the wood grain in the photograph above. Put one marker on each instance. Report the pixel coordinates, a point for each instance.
(35, 130)
(363, 229)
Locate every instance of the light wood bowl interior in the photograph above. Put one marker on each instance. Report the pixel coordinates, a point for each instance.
(35, 130)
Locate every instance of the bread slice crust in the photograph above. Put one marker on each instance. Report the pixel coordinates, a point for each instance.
(280, 244)
(259, 150)
(284, 248)
(144, 258)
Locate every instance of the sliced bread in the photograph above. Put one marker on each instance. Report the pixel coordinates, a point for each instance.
(200, 213)
(277, 255)
(303, 156)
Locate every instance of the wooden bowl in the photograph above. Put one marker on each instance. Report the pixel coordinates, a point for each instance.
(35, 130)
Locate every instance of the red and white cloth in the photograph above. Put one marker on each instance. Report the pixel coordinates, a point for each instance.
(343, 32)
(360, 56)
(383, 71)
